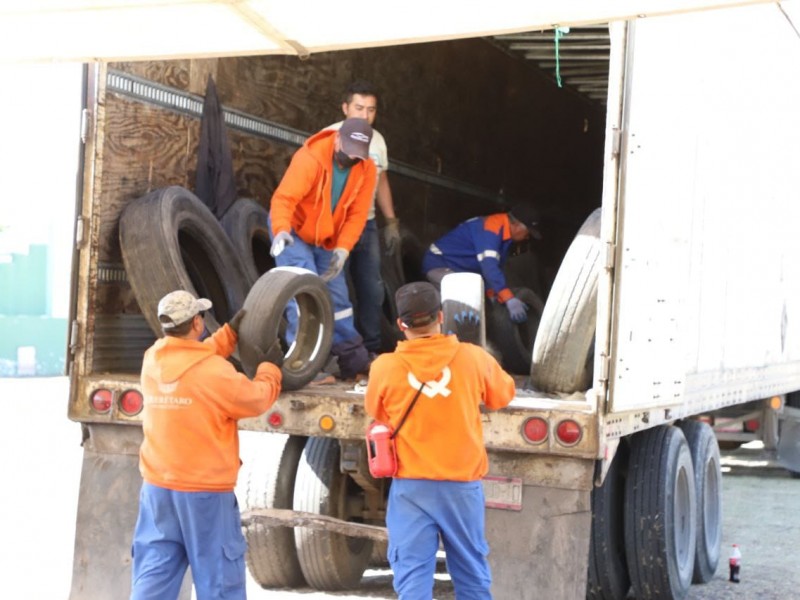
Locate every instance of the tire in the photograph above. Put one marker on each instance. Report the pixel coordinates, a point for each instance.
(790, 429)
(515, 340)
(245, 222)
(608, 577)
(660, 514)
(564, 346)
(171, 241)
(330, 561)
(269, 483)
(708, 491)
(264, 321)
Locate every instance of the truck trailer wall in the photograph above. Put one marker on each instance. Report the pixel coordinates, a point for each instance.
(707, 298)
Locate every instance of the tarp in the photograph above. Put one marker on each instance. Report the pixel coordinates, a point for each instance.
(106, 30)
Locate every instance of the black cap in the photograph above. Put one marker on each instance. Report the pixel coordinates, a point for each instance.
(528, 216)
(355, 135)
(418, 304)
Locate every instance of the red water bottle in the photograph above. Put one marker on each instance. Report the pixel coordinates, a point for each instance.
(735, 563)
(381, 456)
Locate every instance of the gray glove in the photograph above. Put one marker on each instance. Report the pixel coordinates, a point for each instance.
(517, 309)
(283, 239)
(236, 321)
(468, 324)
(338, 258)
(391, 235)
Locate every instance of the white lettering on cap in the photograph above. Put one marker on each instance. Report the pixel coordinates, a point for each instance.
(360, 137)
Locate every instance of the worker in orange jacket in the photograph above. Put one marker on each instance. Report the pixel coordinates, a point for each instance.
(189, 459)
(437, 490)
(317, 214)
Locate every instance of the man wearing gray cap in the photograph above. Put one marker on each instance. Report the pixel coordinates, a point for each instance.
(189, 459)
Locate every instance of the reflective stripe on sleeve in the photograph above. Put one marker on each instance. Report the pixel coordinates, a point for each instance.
(488, 254)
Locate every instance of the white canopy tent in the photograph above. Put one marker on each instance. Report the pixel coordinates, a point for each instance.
(107, 30)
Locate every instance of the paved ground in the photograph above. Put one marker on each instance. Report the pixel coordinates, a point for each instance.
(41, 459)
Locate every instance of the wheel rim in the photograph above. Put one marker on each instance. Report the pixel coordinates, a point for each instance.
(683, 521)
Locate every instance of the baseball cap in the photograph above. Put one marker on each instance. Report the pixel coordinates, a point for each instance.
(355, 135)
(418, 304)
(178, 307)
(528, 216)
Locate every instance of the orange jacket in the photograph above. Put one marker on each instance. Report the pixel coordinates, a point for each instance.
(442, 437)
(193, 398)
(302, 201)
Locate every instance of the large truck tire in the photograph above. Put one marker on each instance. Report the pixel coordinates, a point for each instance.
(660, 514)
(708, 490)
(245, 222)
(171, 241)
(268, 482)
(330, 561)
(264, 321)
(564, 347)
(515, 340)
(608, 577)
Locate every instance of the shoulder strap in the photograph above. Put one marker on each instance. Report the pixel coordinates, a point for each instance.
(408, 410)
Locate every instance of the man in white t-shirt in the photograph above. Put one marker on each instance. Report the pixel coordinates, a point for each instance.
(361, 100)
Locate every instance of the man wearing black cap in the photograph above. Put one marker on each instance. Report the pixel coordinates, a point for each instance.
(437, 490)
(317, 214)
(481, 245)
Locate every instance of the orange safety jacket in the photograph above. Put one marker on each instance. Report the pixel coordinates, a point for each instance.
(193, 398)
(442, 438)
(302, 201)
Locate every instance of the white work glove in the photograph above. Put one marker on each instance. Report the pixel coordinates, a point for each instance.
(338, 258)
(391, 235)
(283, 239)
(517, 309)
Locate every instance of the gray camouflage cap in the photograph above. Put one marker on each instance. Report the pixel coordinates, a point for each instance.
(178, 307)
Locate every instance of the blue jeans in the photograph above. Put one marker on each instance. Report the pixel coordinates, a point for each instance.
(178, 529)
(365, 271)
(420, 511)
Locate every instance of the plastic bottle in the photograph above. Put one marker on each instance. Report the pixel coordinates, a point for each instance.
(735, 562)
(381, 456)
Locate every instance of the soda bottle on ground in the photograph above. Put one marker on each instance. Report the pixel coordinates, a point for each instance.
(735, 563)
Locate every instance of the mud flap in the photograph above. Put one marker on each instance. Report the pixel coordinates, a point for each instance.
(108, 503)
(789, 441)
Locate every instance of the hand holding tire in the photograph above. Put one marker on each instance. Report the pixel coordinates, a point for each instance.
(236, 321)
(517, 309)
(273, 354)
(282, 239)
(336, 265)
(391, 235)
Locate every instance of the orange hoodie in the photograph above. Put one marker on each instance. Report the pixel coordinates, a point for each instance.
(442, 437)
(303, 199)
(193, 398)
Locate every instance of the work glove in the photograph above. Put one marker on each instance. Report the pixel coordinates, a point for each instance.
(391, 235)
(274, 354)
(338, 259)
(283, 239)
(468, 324)
(236, 321)
(517, 309)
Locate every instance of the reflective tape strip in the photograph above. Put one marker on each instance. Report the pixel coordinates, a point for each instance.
(489, 254)
(435, 250)
(343, 314)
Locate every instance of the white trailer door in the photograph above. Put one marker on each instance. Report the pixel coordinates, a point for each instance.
(706, 305)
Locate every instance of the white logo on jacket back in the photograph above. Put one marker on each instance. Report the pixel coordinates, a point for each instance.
(433, 387)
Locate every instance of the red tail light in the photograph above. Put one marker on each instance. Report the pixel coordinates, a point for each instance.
(131, 403)
(534, 430)
(101, 400)
(568, 432)
(275, 419)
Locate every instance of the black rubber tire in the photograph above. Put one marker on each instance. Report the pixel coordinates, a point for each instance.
(515, 340)
(245, 222)
(264, 320)
(171, 241)
(330, 561)
(793, 400)
(608, 577)
(708, 491)
(564, 346)
(660, 514)
(269, 483)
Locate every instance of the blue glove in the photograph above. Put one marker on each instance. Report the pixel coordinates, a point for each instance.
(517, 309)
(283, 239)
(336, 265)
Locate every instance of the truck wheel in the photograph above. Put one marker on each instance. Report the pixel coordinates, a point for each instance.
(608, 572)
(264, 321)
(269, 483)
(660, 514)
(330, 561)
(245, 222)
(564, 346)
(515, 341)
(171, 241)
(708, 491)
